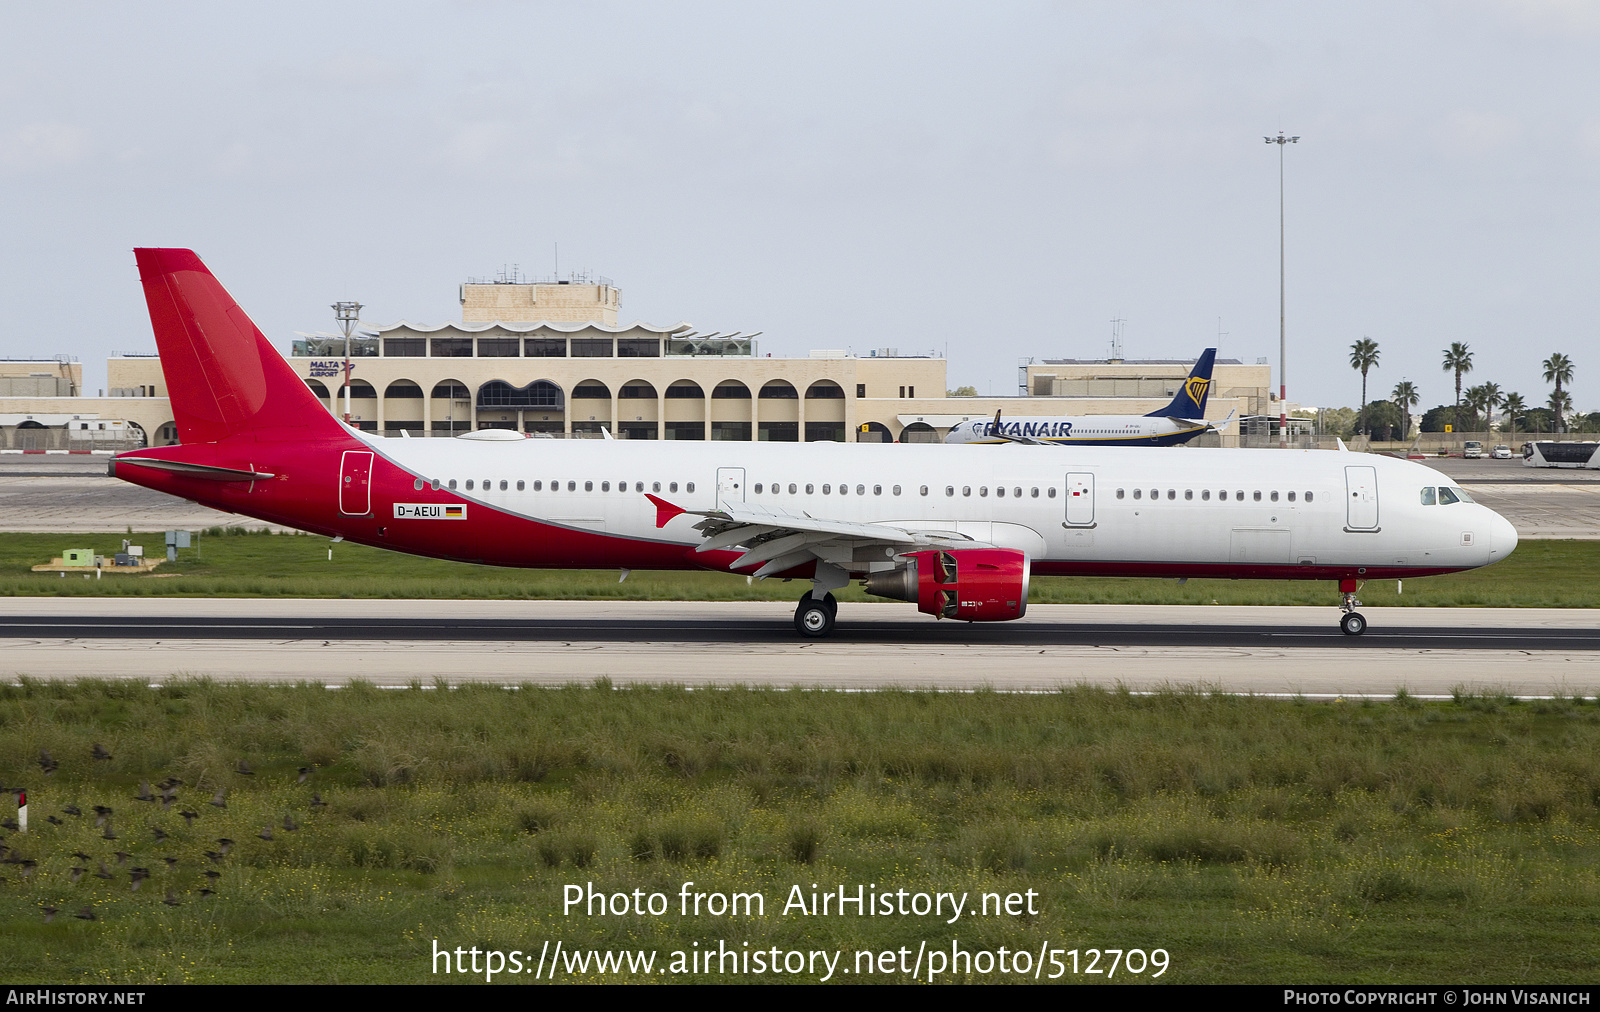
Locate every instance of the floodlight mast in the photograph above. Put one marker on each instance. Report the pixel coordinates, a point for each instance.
(347, 313)
(1283, 342)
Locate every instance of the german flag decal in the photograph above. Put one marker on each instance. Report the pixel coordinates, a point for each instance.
(428, 511)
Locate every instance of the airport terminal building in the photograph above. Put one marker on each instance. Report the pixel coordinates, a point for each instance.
(549, 357)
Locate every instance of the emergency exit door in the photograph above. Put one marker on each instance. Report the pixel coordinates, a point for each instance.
(1080, 499)
(1361, 498)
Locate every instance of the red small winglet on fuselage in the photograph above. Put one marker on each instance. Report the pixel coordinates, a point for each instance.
(665, 511)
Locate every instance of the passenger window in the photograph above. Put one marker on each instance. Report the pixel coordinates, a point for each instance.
(1155, 493)
(1017, 492)
(924, 490)
(826, 489)
(1308, 497)
(983, 492)
(966, 490)
(1172, 493)
(469, 484)
(877, 490)
(1205, 495)
(452, 484)
(1035, 493)
(1051, 491)
(896, 490)
(588, 486)
(861, 490)
(1222, 494)
(521, 484)
(572, 486)
(672, 486)
(1274, 495)
(435, 483)
(538, 486)
(1446, 496)
(949, 490)
(1239, 494)
(844, 489)
(416, 486)
(1258, 495)
(1138, 493)
(1188, 493)
(689, 487)
(793, 487)
(1000, 492)
(1427, 497)
(758, 488)
(605, 486)
(809, 487)
(487, 484)
(1119, 493)
(1291, 497)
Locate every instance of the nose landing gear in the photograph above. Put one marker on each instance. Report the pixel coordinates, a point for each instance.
(1352, 623)
(813, 618)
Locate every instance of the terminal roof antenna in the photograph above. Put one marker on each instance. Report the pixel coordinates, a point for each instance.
(1116, 338)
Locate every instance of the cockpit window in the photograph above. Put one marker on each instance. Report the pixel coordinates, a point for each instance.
(1461, 493)
(1427, 496)
(1447, 496)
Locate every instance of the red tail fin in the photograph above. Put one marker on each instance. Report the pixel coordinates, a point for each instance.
(223, 376)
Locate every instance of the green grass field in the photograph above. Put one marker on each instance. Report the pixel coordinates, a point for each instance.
(1252, 840)
(1547, 574)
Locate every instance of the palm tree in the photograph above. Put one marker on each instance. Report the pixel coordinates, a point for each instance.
(1405, 394)
(1363, 356)
(1489, 398)
(1558, 369)
(1514, 406)
(1459, 359)
(1560, 402)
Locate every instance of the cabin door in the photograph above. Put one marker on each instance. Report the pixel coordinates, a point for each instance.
(1080, 499)
(355, 483)
(1361, 498)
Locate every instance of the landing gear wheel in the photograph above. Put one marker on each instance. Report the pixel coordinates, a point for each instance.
(813, 618)
(1353, 623)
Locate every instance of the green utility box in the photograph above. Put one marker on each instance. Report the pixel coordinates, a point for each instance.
(78, 557)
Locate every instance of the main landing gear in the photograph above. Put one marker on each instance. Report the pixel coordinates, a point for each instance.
(1353, 623)
(814, 617)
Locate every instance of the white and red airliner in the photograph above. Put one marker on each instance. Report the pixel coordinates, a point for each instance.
(956, 529)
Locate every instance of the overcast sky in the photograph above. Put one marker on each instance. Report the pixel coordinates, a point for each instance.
(995, 179)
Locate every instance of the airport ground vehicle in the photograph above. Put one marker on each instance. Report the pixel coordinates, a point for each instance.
(1472, 449)
(958, 530)
(1501, 452)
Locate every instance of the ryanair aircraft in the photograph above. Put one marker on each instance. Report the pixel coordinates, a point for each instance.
(1178, 422)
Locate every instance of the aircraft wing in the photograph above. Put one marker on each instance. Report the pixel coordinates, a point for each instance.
(781, 539)
(1221, 426)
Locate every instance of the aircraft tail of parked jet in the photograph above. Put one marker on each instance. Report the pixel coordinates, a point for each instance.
(1190, 402)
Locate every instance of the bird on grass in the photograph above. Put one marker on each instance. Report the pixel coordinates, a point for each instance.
(213, 874)
(49, 914)
(27, 867)
(214, 856)
(220, 799)
(10, 824)
(122, 856)
(159, 833)
(75, 874)
(86, 914)
(289, 824)
(266, 833)
(144, 792)
(189, 817)
(99, 752)
(108, 834)
(208, 892)
(46, 763)
(101, 814)
(139, 875)
(54, 821)
(224, 844)
(80, 855)
(243, 769)
(172, 862)
(72, 810)
(316, 800)
(305, 772)
(103, 873)
(171, 900)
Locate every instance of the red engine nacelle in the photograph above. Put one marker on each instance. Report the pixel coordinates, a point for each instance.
(971, 584)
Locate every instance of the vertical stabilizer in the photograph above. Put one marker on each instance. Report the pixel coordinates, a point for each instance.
(1191, 399)
(223, 376)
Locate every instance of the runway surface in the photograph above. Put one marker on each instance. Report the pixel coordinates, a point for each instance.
(1430, 651)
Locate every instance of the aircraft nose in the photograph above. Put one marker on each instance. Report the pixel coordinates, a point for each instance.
(1502, 537)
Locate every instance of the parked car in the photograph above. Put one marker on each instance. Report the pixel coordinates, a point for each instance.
(1472, 449)
(1501, 452)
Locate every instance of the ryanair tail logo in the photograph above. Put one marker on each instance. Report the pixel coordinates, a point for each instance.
(1195, 387)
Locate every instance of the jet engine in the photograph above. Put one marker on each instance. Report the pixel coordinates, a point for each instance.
(971, 584)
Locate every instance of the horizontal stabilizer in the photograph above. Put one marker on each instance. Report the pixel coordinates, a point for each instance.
(203, 471)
